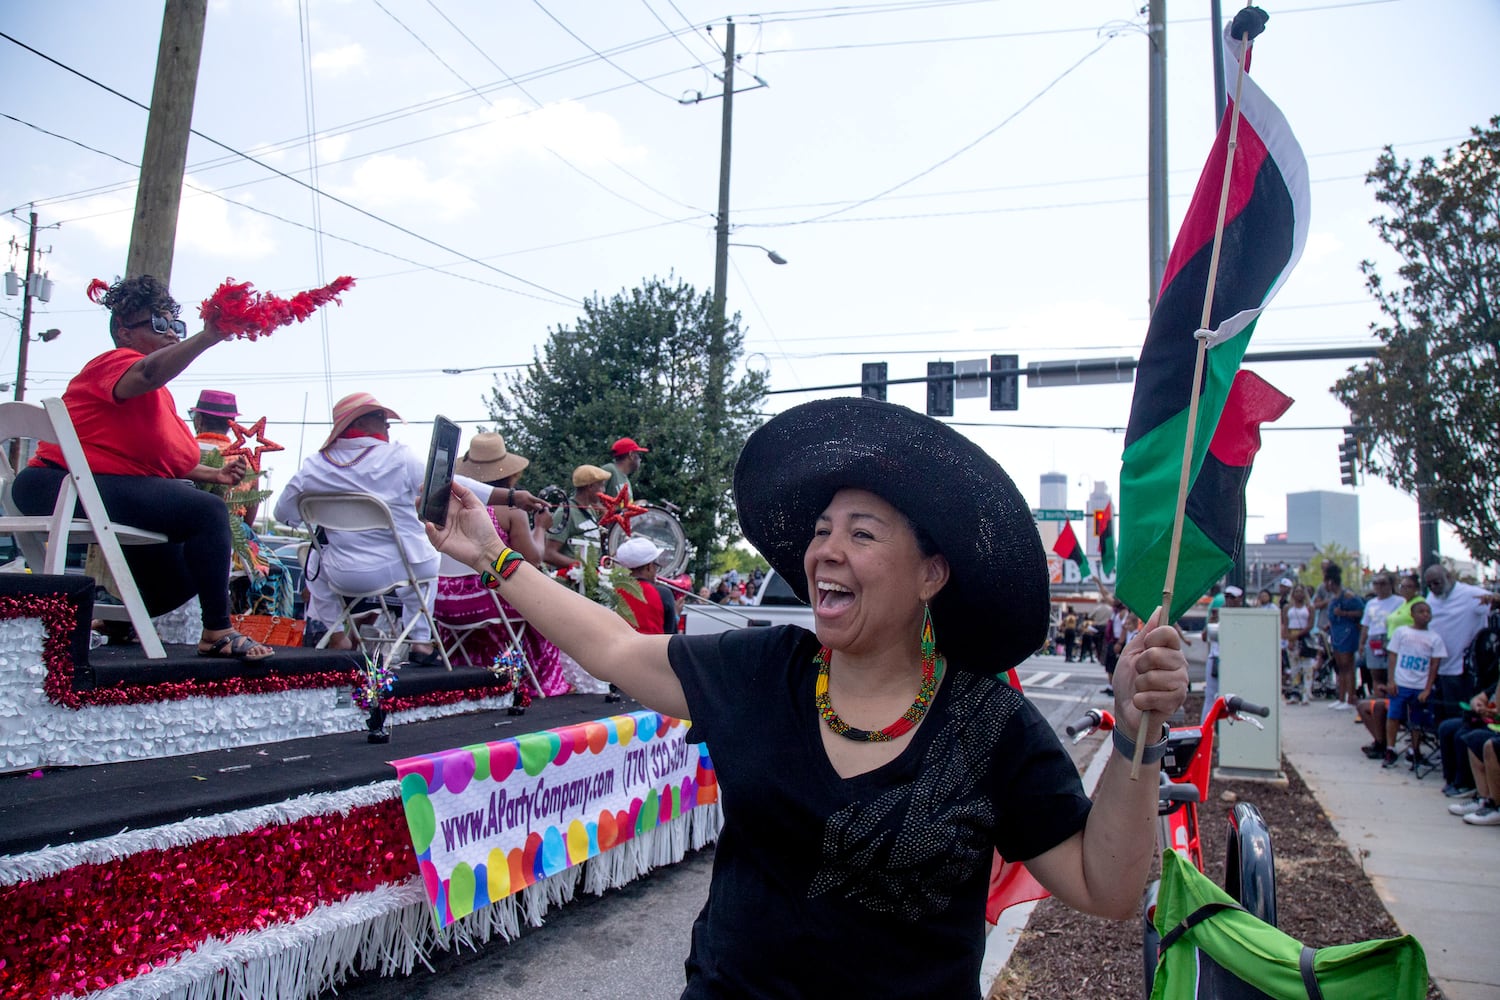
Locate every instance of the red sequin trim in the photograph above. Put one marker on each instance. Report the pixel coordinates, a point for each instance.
(58, 617)
(96, 925)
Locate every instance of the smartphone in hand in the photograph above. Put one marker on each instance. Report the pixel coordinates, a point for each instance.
(438, 479)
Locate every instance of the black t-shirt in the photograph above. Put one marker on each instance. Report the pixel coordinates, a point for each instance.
(871, 886)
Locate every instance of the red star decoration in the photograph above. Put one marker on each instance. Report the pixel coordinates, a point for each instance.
(256, 432)
(619, 510)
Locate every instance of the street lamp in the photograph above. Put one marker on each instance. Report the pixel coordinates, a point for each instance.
(776, 258)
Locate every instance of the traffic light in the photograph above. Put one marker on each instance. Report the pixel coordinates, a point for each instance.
(1005, 389)
(1101, 522)
(939, 389)
(1348, 457)
(872, 376)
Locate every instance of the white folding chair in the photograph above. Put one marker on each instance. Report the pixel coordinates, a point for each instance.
(44, 538)
(512, 625)
(357, 512)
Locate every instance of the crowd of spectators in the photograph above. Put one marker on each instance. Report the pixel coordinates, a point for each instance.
(1432, 662)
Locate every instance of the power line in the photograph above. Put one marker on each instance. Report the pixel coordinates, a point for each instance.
(677, 37)
(418, 265)
(462, 79)
(304, 46)
(572, 34)
(281, 173)
(965, 148)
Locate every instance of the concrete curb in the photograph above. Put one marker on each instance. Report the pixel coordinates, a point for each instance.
(1004, 935)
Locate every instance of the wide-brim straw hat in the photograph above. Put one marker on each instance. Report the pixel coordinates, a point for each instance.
(350, 409)
(993, 612)
(488, 459)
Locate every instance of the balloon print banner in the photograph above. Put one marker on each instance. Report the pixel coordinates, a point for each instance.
(490, 819)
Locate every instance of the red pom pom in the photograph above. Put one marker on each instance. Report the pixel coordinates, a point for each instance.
(237, 308)
(96, 291)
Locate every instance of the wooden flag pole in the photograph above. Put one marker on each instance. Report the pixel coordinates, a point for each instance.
(1192, 419)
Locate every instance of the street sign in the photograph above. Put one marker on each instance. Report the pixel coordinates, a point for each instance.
(1055, 514)
(973, 379)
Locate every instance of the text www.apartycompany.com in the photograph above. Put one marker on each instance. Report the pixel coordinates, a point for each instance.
(510, 809)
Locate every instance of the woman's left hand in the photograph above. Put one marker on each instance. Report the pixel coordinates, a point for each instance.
(1151, 676)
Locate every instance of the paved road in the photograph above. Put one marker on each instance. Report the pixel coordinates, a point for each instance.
(630, 943)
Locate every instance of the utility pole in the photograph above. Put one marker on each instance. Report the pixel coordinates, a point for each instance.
(1216, 25)
(1427, 521)
(26, 312)
(713, 396)
(153, 234)
(1156, 183)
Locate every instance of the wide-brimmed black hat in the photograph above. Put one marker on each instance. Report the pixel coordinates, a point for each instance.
(993, 612)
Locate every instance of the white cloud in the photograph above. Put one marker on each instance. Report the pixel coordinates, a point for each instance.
(106, 217)
(393, 181)
(1321, 246)
(212, 227)
(331, 147)
(333, 62)
(568, 127)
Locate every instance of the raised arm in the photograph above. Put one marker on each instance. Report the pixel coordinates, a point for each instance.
(1103, 869)
(160, 367)
(596, 637)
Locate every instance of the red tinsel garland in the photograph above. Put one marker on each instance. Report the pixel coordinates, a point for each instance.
(96, 925)
(238, 309)
(58, 618)
(407, 702)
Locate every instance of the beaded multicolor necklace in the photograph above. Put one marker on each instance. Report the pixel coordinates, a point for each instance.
(932, 672)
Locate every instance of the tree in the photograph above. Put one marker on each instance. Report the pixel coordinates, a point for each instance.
(636, 365)
(1428, 405)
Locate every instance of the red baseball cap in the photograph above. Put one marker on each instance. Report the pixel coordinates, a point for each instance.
(626, 446)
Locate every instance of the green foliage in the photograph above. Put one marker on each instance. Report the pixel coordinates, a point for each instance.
(740, 559)
(1429, 403)
(636, 365)
(1311, 575)
(238, 499)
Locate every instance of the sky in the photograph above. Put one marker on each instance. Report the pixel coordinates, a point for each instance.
(946, 179)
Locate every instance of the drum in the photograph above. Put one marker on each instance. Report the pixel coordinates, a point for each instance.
(663, 528)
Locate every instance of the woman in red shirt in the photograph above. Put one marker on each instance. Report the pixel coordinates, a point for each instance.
(140, 451)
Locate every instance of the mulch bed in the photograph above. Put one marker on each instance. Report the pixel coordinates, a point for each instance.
(1323, 898)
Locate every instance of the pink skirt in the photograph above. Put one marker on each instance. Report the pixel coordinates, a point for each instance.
(463, 600)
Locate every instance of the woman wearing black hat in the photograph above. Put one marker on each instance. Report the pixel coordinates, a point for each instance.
(869, 771)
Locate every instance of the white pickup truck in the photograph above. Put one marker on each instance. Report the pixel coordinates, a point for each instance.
(774, 604)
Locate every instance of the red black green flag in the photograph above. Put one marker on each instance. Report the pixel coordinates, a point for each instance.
(1265, 229)
(1104, 527)
(1067, 546)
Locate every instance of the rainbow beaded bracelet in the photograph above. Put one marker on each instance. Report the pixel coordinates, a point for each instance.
(505, 564)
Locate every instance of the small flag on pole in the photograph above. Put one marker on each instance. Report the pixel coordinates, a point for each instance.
(1067, 546)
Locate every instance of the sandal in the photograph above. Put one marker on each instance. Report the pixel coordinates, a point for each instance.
(234, 646)
(431, 658)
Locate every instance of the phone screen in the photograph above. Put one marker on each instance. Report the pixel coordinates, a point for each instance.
(438, 481)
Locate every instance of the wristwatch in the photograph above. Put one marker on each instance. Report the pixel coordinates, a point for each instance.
(1152, 753)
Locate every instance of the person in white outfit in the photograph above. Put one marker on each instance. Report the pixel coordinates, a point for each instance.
(359, 457)
(1297, 622)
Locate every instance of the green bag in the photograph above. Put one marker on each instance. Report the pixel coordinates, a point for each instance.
(1201, 926)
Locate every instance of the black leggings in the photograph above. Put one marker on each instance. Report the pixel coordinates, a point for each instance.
(195, 559)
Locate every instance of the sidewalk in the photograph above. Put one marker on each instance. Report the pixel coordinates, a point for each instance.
(1438, 876)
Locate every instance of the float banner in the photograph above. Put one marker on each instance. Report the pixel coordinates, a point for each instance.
(491, 819)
